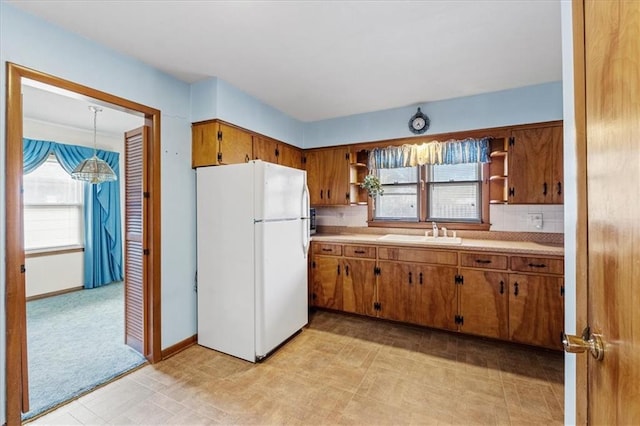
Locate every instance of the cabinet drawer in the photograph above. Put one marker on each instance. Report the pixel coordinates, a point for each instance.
(537, 264)
(360, 251)
(327, 249)
(418, 255)
(481, 260)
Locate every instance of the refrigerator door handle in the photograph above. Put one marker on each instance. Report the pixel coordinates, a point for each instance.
(306, 232)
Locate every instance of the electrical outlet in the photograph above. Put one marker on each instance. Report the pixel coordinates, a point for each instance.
(535, 221)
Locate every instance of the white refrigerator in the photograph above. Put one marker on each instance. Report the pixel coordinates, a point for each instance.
(253, 241)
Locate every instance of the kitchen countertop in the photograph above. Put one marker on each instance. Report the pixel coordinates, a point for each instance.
(468, 244)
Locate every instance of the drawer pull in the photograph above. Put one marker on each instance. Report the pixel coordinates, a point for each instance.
(483, 261)
(359, 251)
(537, 265)
(410, 278)
(501, 287)
(421, 278)
(326, 249)
(515, 289)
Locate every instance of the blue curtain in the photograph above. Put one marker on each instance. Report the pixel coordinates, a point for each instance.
(449, 152)
(102, 233)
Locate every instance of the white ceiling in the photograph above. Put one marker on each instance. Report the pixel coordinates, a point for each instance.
(321, 59)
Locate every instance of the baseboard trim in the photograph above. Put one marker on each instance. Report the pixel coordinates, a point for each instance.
(178, 347)
(53, 293)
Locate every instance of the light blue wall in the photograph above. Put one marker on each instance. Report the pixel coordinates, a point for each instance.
(215, 98)
(530, 104)
(33, 43)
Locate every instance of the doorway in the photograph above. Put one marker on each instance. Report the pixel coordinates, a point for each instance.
(148, 256)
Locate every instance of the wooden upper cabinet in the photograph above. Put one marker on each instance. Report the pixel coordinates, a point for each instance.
(289, 156)
(276, 152)
(214, 143)
(328, 176)
(535, 166)
(265, 149)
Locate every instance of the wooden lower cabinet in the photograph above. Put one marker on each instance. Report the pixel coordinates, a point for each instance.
(484, 303)
(326, 283)
(358, 286)
(485, 294)
(536, 310)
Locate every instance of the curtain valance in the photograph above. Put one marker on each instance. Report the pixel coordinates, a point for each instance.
(450, 152)
(102, 218)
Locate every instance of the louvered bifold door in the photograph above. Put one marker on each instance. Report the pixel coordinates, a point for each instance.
(135, 249)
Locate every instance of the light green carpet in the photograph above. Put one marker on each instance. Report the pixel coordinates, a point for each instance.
(75, 343)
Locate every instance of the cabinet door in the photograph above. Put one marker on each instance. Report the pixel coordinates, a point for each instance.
(265, 149)
(358, 286)
(536, 310)
(289, 156)
(530, 164)
(327, 288)
(393, 290)
(236, 146)
(315, 176)
(436, 296)
(328, 176)
(204, 144)
(557, 169)
(484, 303)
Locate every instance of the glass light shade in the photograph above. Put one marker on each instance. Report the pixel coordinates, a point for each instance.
(94, 170)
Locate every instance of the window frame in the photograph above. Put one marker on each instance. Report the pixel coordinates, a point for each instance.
(424, 223)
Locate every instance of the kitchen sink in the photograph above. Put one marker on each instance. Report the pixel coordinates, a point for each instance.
(420, 239)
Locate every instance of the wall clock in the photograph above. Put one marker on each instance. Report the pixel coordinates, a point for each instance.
(419, 123)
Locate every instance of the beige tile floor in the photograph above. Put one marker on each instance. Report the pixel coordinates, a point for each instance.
(340, 370)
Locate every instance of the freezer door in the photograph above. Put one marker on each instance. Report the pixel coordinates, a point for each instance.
(281, 192)
(281, 283)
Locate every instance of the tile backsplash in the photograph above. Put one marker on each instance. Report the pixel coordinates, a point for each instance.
(507, 218)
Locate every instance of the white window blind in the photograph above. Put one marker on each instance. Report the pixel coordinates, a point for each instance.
(400, 198)
(454, 192)
(52, 208)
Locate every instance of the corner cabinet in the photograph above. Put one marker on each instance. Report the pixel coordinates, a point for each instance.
(498, 295)
(214, 143)
(535, 166)
(328, 176)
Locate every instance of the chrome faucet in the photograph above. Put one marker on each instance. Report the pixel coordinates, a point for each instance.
(435, 229)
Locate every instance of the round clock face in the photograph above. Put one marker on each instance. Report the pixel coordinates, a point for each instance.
(419, 123)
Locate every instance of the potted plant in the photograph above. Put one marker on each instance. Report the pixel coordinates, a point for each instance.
(372, 184)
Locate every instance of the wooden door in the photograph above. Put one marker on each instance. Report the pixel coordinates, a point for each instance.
(204, 144)
(136, 245)
(484, 303)
(437, 299)
(358, 286)
(236, 145)
(327, 282)
(530, 165)
(612, 81)
(265, 149)
(393, 290)
(289, 156)
(536, 310)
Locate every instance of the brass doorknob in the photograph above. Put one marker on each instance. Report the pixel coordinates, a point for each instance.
(588, 341)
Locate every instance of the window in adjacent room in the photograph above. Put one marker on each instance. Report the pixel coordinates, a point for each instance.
(53, 205)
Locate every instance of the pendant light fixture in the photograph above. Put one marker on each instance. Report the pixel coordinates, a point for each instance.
(94, 170)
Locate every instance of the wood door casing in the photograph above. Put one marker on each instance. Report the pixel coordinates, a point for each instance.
(14, 303)
(612, 125)
(484, 303)
(136, 216)
(536, 310)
